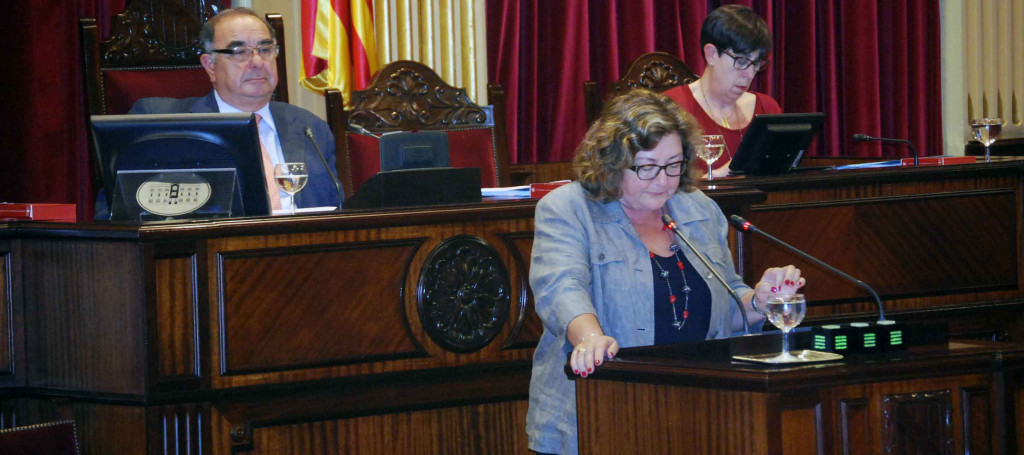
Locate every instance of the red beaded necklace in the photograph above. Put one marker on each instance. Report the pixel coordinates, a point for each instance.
(664, 274)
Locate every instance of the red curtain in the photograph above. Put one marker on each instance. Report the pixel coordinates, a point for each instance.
(872, 66)
(43, 138)
(43, 117)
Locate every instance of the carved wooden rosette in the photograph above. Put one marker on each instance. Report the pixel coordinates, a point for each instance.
(157, 32)
(413, 97)
(463, 294)
(656, 75)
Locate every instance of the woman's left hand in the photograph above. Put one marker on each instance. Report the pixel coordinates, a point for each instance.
(783, 280)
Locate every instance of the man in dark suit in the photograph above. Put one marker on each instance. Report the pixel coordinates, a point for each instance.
(240, 59)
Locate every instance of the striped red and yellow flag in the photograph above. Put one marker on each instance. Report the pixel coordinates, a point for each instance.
(338, 47)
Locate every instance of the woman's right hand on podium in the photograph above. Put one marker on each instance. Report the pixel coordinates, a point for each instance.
(590, 345)
(591, 351)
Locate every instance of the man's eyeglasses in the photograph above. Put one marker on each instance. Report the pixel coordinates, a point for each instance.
(242, 54)
(651, 171)
(742, 63)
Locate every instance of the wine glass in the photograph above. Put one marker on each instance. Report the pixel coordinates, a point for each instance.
(785, 311)
(710, 149)
(291, 178)
(986, 131)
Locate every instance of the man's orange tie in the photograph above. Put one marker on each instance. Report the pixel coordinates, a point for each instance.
(268, 169)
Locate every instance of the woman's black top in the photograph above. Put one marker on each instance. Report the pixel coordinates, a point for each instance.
(699, 319)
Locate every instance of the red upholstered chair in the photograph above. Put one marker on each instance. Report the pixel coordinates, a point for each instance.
(408, 96)
(656, 71)
(153, 50)
(52, 438)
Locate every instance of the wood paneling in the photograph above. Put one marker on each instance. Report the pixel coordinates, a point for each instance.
(310, 306)
(800, 429)
(1017, 392)
(620, 417)
(7, 332)
(176, 308)
(977, 420)
(919, 422)
(916, 415)
(528, 329)
(240, 418)
(903, 246)
(523, 174)
(182, 429)
(358, 271)
(493, 428)
(895, 404)
(83, 315)
(931, 241)
(108, 429)
(855, 433)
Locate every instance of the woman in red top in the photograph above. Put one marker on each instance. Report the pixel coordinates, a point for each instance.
(736, 42)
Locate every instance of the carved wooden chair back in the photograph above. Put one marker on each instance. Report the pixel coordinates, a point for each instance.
(153, 50)
(51, 438)
(409, 96)
(655, 71)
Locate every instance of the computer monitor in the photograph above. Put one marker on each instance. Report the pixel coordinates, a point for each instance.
(175, 166)
(413, 150)
(775, 143)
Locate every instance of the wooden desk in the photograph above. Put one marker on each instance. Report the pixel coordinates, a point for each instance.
(403, 331)
(964, 397)
(934, 242)
(400, 331)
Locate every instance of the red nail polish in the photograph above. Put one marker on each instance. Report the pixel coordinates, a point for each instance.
(611, 354)
(584, 374)
(575, 371)
(590, 370)
(598, 363)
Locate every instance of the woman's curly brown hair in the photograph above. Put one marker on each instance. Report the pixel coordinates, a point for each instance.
(629, 123)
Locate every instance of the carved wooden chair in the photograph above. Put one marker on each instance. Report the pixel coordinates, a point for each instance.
(407, 96)
(656, 71)
(153, 50)
(51, 438)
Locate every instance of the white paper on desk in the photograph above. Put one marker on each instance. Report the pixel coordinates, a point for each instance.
(871, 165)
(522, 191)
(306, 210)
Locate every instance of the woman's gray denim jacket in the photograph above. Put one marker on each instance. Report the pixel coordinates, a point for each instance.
(588, 258)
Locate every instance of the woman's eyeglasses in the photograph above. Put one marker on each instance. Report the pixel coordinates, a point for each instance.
(742, 63)
(651, 171)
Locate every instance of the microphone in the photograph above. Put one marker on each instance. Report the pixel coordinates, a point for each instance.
(312, 140)
(865, 138)
(671, 224)
(744, 226)
(359, 129)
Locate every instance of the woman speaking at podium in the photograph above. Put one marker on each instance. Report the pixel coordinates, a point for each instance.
(605, 273)
(735, 42)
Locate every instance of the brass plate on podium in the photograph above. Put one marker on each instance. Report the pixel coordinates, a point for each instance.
(803, 356)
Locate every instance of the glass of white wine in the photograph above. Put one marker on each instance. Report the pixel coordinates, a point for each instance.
(291, 178)
(710, 149)
(785, 311)
(986, 131)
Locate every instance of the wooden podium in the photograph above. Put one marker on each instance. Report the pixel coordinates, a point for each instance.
(956, 398)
